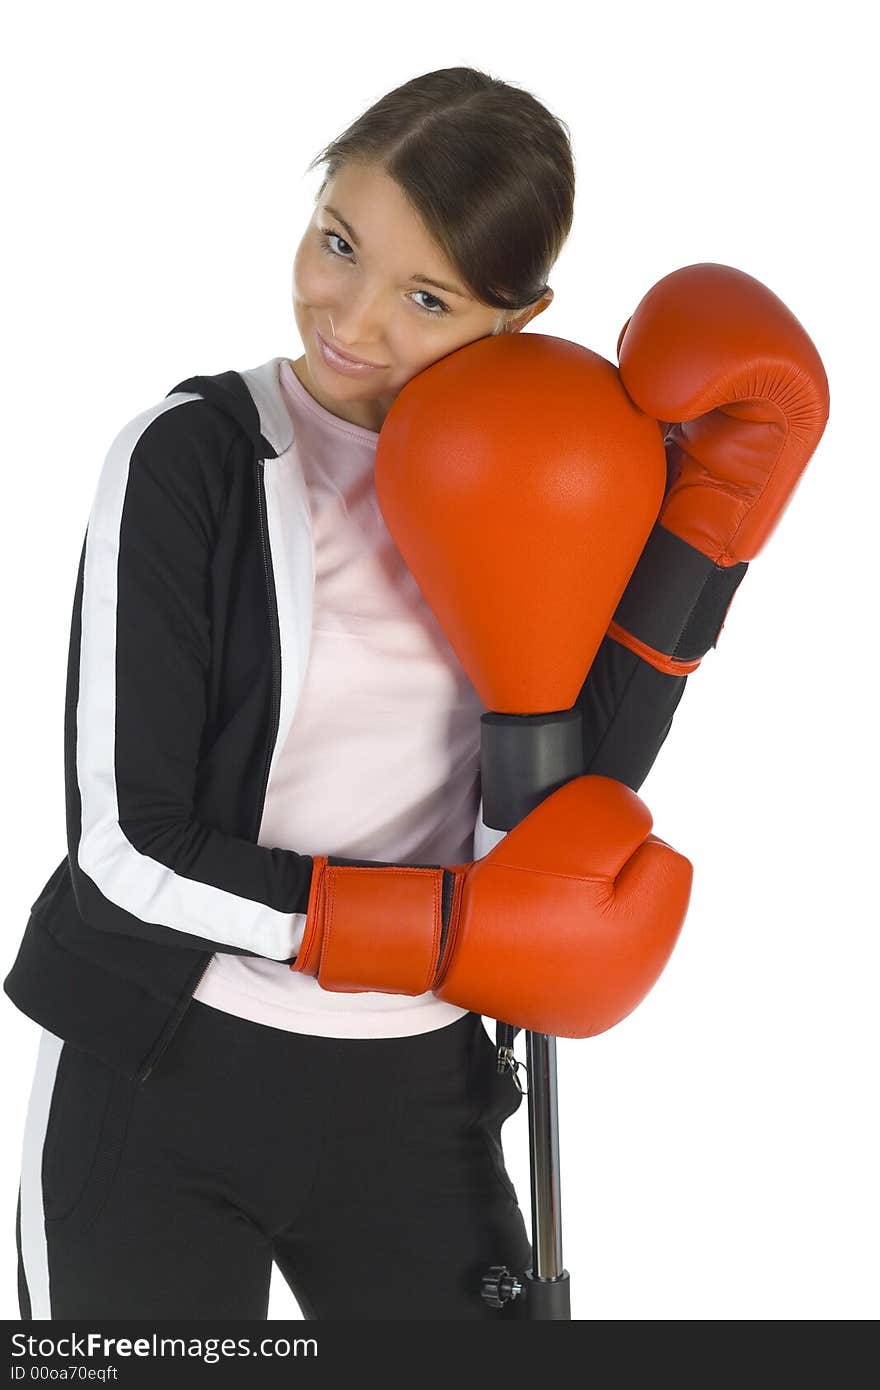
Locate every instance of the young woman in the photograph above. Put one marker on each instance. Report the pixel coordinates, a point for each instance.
(255, 679)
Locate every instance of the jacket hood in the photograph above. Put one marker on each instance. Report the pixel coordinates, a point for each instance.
(253, 399)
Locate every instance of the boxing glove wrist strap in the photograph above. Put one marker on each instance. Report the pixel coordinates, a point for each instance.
(372, 925)
(674, 606)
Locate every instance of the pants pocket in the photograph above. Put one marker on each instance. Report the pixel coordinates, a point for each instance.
(85, 1130)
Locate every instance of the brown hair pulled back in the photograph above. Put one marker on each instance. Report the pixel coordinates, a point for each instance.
(489, 170)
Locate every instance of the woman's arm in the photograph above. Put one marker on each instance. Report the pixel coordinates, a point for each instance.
(142, 864)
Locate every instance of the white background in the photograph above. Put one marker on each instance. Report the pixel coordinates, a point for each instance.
(719, 1154)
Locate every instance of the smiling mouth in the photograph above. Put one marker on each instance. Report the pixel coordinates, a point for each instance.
(358, 361)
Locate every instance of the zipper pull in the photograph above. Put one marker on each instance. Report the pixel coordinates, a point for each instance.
(504, 1035)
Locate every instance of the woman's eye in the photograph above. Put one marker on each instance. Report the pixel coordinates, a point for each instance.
(441, 307)
(325, 242)
(325, 239)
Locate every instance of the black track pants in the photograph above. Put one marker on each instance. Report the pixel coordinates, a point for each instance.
(370, 1170)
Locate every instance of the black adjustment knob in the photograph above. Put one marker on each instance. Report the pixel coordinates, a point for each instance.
(498, 1285)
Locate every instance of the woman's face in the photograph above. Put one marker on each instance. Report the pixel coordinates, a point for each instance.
(361, 281)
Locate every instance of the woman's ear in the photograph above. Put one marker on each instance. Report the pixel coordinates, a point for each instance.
(521, 319)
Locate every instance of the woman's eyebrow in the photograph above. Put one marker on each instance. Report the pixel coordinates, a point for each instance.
(422, 279)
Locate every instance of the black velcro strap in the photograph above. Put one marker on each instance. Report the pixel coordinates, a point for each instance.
(677, 598)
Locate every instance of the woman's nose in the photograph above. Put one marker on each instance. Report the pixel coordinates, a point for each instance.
(357, 322)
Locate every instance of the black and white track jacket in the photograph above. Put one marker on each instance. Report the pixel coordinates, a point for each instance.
(181, 683)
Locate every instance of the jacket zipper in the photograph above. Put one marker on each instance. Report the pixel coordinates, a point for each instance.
(276, 640)
(270, 743)
(504, 1036)
(179, 1010)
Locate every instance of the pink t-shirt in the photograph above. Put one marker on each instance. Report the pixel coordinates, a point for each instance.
(382, 759)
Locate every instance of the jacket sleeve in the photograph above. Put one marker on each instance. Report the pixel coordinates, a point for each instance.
(141, 864)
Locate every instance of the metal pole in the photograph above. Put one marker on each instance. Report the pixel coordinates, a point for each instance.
(546, 1291)
(544, 1148)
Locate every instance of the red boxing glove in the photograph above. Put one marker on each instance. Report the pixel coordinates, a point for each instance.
(742, 397)
(562, 928)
